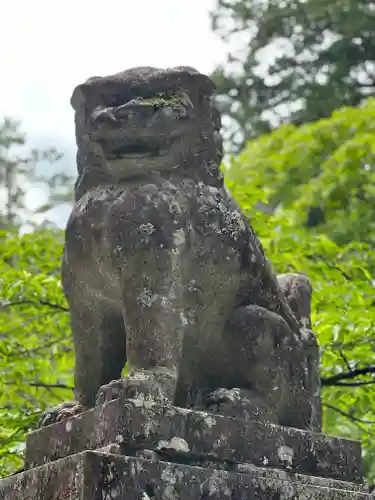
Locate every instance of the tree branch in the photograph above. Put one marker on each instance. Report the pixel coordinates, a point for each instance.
(50, 386)
(354, 384)
(349, 375)
(46, 386)
(346, 361)
(36, 303)
(347, 415)
(28, 352)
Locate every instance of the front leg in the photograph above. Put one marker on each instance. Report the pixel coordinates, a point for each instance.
(150, 259)
(99, 345)
(153, 309)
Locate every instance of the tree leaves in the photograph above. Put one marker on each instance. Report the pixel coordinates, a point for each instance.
(327, 164)
(293, 61)
(275, 179)
(36, 358)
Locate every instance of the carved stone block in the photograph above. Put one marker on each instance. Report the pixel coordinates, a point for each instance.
(162, 270)
(147, 451)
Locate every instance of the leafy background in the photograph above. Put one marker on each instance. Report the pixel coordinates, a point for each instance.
(302, 144)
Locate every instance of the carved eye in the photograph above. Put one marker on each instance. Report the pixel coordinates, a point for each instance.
(115, 100)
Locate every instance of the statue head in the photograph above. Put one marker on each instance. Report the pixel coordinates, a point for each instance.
(148, 119)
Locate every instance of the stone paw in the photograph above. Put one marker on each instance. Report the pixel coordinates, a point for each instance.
(147, 385)
(111, 391)
(60, 413)
(239, 403)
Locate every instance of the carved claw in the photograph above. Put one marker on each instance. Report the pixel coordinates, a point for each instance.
(111, 391)
(239, 403)
(157, 387)
(60, 413)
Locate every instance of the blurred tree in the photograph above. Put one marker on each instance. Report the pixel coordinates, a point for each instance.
(328, 165)
(292, 61)
(36, 357)
(34, 328)
(323, 173)
(19, 172)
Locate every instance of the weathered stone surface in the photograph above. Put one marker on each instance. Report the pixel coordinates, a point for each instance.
(101, 476)
(204, 438)
(162, 269)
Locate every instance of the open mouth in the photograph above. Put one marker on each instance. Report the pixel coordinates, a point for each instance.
(137, 149)
(141, 127)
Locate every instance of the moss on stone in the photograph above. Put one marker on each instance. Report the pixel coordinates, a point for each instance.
(162, 99)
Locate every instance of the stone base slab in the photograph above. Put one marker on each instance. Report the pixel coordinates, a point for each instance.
(94, 475)
(203, 438)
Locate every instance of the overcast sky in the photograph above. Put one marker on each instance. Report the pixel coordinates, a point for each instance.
(48, 47)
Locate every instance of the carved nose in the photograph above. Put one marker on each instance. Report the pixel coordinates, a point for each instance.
(103, 115)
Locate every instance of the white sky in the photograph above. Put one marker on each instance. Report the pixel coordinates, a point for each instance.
(49, 47)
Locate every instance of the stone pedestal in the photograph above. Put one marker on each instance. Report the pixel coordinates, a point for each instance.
(129, 449)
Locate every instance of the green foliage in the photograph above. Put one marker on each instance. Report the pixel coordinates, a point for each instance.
(343, 315)
(292, 61)
(327, 164)
(36, 353)
(36, 356)
(35, 348)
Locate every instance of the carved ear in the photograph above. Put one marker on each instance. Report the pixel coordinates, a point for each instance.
(205, 85)
(83, 92)
(78, 99)
(194, 77)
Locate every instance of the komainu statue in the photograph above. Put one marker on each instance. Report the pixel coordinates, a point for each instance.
(162, 270)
